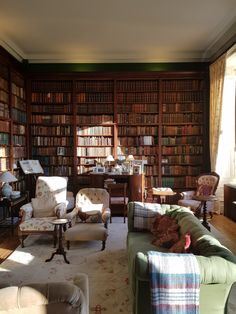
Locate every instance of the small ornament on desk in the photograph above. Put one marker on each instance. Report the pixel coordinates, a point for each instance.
(15, 194)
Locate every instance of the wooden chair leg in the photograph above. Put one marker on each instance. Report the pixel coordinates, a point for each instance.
(103, 245)
(68, 245)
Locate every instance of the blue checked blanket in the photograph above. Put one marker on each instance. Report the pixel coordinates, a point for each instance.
(175, 283)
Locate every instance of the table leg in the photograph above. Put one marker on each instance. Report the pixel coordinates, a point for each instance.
(60, 250)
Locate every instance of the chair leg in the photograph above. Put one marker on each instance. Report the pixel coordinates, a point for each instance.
(103, 245)
(22, 241)
(55, 237)
(68, 245)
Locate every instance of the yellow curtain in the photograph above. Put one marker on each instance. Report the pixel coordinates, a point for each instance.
(217, 73)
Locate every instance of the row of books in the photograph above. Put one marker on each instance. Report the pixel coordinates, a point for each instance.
(180, 170)
(50, 151)
(4, 110)
(137, 130)
(95, 130)
(4, 164)
(19, 140)
(57, 170)
(19, 115)
(182, 118)
(184, 85)
(177, 140)
(3, 84)
(95, 108)
(59, 130)
(19, 129)
(138, 85)
(4, 139)
(51, 97)
(4, 96)
(19, 152)
(92, 119)
(92, 97)
(182, 130)
(94, 85)
(91, 161)
(4, 151)
(185, 159)
(95, 141)
(137, 140)
(138, 108)
(94, 151)
(18, 91)
(182, 107)
(151, 181)
(146, 97)
(151, 170)
(52, 141)
(183, 149)
(140, 151)
(193, 96)
(52, 85)
(136, 118)
(18, 103)
(48, 119)
(52, 108)
(178, 182)
(56, 160)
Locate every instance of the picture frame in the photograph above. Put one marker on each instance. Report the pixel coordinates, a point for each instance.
(98, 169)
(137, 169)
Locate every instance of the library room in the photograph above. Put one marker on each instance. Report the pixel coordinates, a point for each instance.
(117, 157)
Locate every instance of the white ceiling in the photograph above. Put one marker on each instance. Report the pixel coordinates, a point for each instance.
(116, 30)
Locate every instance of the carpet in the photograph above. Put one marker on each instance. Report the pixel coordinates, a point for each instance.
(107, 270)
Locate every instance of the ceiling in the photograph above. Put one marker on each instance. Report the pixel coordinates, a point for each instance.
(99, 31)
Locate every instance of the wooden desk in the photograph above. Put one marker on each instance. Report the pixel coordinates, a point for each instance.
(10, 210)
(135, 183)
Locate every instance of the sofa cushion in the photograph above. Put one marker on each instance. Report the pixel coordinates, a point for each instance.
(43, 207)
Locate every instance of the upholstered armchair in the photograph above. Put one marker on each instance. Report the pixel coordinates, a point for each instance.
(206, 185)
(50, 202)
(93, 214)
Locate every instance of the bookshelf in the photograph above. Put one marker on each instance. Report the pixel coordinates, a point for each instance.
(51, 126)
(78, 120)
(5, 124)
(19, 127)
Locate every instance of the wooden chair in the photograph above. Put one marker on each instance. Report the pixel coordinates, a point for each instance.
(118, 197)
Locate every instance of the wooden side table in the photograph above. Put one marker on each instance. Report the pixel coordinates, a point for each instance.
(9, 207)
(59, 225)
(203, 204)
(162, 193)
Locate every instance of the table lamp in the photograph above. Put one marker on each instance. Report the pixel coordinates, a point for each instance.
(7, 177)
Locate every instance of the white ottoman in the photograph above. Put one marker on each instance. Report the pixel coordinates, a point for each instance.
(86, 232)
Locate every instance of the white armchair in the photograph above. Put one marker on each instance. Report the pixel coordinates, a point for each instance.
(50, 202)
(92, 205)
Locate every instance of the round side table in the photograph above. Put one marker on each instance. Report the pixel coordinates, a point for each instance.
(59, 224)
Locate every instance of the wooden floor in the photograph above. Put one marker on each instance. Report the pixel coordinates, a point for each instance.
(222, 228)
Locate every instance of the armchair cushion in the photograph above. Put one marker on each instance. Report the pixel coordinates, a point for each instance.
(43, 207)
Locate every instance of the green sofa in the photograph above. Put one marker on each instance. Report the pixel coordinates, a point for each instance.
(217, 264)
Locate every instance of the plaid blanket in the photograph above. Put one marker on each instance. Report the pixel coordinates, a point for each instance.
(175, 283)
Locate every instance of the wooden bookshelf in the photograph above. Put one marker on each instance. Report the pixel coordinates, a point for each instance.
(79, 120)
(51, 126)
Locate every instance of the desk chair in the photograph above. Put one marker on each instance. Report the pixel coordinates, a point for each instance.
(118, 197)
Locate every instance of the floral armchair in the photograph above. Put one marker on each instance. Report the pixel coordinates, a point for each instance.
(93, 214)
(50, 202)
(206, 185)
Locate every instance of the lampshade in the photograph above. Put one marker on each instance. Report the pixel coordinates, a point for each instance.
(110, 158)
(7, 177)
(130, 158)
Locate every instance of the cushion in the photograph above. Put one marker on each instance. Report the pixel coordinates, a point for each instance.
(43, 207)
(182, 245)
(145, 214)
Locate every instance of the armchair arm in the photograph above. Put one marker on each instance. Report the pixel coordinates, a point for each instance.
(71, 216)
(26, 211)
(187, 195)
(106, 213)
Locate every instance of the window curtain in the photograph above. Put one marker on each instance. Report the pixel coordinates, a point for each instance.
(217, 73)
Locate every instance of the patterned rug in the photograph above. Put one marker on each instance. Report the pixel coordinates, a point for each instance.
(107, 270)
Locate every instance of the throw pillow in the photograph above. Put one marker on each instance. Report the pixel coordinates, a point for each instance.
(183, 245)
(43, 207)
(167, 240)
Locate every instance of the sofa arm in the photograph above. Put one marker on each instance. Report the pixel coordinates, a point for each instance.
(26, 212)
(106, 214)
